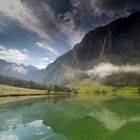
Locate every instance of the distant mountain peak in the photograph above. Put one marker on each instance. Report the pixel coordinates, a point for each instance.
(19, 71)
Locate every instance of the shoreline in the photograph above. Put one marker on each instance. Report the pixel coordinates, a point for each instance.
(32, 95)
(7, 100)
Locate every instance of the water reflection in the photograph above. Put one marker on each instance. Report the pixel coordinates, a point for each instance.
(59, 118)
(17, 120)
(35, 130)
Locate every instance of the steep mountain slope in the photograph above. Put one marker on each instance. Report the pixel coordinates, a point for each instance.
(19, 71)
(117, 43)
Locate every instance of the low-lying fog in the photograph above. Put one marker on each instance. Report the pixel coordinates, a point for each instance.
(105, 69)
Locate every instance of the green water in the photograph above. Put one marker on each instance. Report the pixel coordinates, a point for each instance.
(60, 118)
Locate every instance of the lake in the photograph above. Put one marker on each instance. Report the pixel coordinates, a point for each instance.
(61, 118)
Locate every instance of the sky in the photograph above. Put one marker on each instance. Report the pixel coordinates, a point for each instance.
(36, 32)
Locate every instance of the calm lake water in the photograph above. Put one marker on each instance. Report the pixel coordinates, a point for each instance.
(61, 118)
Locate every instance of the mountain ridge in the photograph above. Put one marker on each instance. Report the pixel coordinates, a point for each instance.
(18, 71)
(117, 43)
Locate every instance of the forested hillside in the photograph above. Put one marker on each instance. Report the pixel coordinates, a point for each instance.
(6, 80)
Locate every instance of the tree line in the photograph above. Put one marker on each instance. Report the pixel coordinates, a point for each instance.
(123, 79)
(6, 80)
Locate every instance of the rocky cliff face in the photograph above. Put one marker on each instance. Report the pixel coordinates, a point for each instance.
(117, 43)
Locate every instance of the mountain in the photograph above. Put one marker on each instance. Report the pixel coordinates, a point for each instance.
(19, 71)
(117, 43)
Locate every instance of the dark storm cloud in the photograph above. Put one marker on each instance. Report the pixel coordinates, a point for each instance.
(57, 21)
(68, 20)
(59, 6)
(118, 4)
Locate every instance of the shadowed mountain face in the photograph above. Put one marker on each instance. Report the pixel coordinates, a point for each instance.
(19, 71)
(117, 43)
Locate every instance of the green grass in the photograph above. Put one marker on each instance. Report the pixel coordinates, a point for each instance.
(86, 91)
(5, 90)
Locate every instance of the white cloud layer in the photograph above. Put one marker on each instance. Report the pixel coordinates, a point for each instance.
(19, 12)
(13, 55)
(46, 46)
(69, 29)
(43, 63)
(105, 69)
(19, 69)
(39, 20)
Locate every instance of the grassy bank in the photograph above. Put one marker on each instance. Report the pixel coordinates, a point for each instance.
(11, 94)
(9, 90)
(6, 91)
(87, 117)
(88, 91)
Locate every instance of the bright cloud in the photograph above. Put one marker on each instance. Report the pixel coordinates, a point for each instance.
(19, 69)
(46, 46)
(43, 63)
(19, 12)
(31, 18)
(106, 69)
(13, 55)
